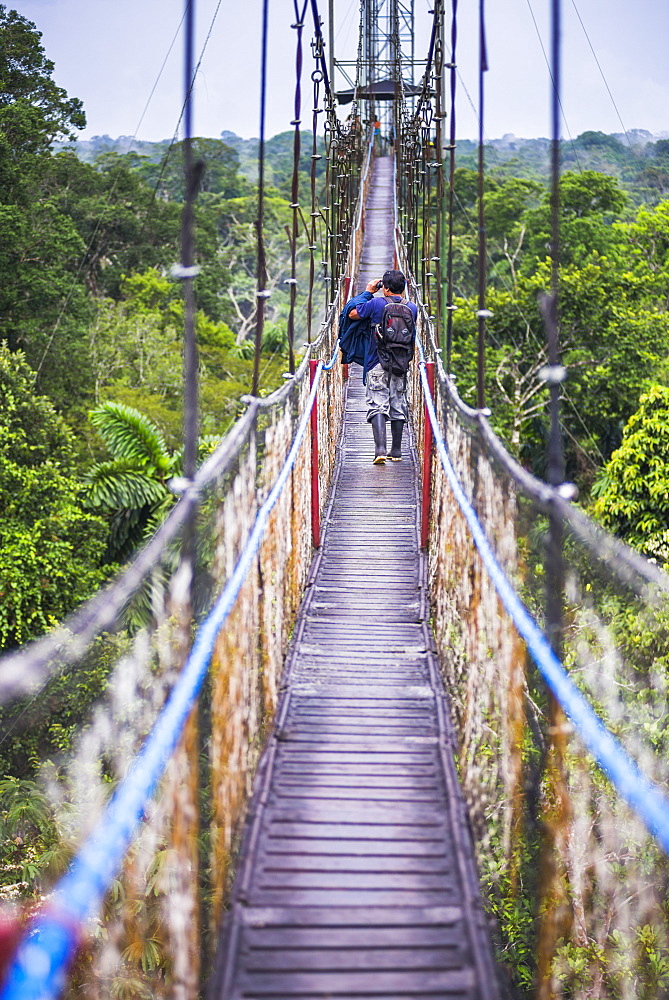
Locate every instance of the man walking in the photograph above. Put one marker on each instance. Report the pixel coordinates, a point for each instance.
(385, 382)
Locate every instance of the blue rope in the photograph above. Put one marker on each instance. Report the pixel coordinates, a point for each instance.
(39, 968)
(647, 800)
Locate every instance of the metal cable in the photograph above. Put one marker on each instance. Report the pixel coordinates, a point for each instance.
(261, 268)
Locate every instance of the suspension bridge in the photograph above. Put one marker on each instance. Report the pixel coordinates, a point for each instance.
(348, 749)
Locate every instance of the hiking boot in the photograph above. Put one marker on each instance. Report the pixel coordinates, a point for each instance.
(396, 428)
(378, 423)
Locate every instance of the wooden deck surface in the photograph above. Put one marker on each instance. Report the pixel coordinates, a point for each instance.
(357, 877)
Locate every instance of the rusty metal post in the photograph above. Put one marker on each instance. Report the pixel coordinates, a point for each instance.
(315, 499)
(427, 461)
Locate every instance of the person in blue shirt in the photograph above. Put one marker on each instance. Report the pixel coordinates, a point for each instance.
(385, 393)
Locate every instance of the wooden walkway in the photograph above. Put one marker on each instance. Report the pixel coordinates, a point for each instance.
(357, 877)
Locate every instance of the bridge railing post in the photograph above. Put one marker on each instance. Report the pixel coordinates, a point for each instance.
(315, 496)
(427, 462)
(348, 286)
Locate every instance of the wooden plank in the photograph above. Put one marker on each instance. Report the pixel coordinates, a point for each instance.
(392, 797)
(403, 938)
(360, 983)
(317, 778)
(295, 895)
(346, 957)
(359, 831)
(369, 863)
(354, 917)
(351, 848)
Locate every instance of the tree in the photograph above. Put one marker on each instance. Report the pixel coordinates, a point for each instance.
(164, 170)
(135, 347)
(632, 491)
(590, 203)
(130, 488)
(50, 546)
(33, 109)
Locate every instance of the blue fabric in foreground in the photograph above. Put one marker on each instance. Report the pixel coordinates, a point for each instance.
(39, 969)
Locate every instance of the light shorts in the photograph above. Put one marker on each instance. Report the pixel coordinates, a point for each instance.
(386, 394)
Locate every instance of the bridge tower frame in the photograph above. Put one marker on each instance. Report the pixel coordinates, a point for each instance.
(387, 51)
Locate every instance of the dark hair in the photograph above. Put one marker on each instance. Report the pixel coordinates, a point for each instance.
(394, 281)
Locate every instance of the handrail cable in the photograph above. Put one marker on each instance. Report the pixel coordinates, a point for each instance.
(33, 665)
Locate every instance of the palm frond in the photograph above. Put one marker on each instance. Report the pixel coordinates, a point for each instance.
(130, 435)
(122, 485)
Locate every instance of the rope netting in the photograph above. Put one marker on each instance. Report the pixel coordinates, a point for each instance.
(576, 882)
(182, 854)
(187, 648)
(572, 874)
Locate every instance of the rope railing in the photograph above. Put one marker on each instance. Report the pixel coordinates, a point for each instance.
(554, 840)
(649, 802)
(55, 935)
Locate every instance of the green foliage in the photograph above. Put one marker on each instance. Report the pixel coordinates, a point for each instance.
(632, 491)
(131, 488)
(33, 109)
(163, 169)
(136, 355)
(50, 546)
(29, 836)
(131, 437)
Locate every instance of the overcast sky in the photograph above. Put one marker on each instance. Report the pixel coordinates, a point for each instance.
(110, 55)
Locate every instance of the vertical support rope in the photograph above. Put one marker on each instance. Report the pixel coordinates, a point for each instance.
(427, 460)
(451, 187)
(554, 373)
(181, 785)
(482, 312)
(315, 497)
(555, 910)
(261, 268)
(190, 419)
(316, 78)
(439, 168)
(295, 186)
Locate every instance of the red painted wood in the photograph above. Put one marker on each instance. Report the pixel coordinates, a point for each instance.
(427, 462)
(315, 498)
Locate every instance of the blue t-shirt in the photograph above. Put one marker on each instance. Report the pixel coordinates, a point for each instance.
(372, 310)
